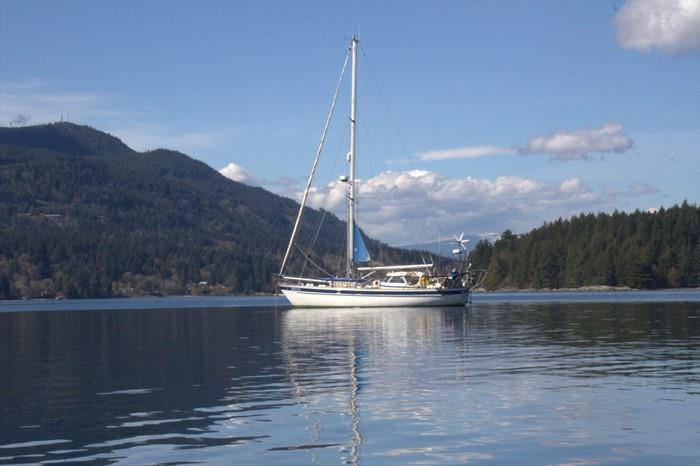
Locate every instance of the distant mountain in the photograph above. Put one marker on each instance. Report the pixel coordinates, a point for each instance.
(66, 138)
(444, 248)
(84, 215)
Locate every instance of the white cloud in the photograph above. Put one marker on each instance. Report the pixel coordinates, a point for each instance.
(409, 207)
(671, 26)
(572, 186)
(240, 174)
(468, 152)
(404, 207)
(282, 185)
(579, 144)
(561, 145)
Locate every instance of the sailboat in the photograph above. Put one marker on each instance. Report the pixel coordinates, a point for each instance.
(401, 285)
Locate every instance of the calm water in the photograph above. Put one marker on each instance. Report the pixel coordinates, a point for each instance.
(508, 381)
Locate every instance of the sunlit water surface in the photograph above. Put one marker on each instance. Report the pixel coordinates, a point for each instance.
(581, 381)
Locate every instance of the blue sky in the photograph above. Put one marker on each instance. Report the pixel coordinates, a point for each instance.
(509, 114)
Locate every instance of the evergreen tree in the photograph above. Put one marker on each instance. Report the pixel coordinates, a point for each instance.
(82, 215)
(637, 250)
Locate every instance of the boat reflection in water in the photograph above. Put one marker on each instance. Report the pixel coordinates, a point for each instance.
(497, 382)
(513, 383)
(332, 350)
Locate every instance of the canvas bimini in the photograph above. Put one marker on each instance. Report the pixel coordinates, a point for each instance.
(402, 285)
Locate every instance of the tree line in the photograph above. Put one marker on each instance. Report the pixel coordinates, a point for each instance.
(84, 216)
(643, 250)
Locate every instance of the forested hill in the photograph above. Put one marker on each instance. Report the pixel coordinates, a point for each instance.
(83, 215)
(638, 250)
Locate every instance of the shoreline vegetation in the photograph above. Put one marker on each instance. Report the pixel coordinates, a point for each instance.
(638, 250)
(587, 288)
(477, 291)
(82, 215)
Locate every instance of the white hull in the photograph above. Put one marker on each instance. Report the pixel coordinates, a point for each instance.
(303, 296)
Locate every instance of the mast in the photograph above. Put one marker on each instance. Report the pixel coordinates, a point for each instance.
(351, 159)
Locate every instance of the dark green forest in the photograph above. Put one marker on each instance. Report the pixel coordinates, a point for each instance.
(82, 215)
(637, 250)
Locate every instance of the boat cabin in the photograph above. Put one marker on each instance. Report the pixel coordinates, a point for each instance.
(401, 279)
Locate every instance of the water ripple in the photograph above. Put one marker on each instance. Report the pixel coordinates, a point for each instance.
(574, 383)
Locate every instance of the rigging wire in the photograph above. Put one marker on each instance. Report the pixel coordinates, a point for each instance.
(292, 239)
(384, 101)
(322, 218)
(308, 255)
(398, 133)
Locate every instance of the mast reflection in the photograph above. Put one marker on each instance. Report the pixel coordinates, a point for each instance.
(333, 348)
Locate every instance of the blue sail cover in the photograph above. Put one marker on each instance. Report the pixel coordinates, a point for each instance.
(360, 254)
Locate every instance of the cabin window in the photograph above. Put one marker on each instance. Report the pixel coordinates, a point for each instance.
(396, 280)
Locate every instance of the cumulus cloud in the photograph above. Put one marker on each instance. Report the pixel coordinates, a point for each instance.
(468, 152)
(404, 207)
(240, 174)
(561, 145)
(413, 206)
(671, 26)
(579, 144)
(282, 185)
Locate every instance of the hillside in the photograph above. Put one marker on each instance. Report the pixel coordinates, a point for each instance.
(83, 215)
(638, 250)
